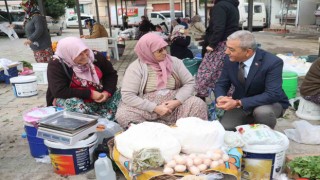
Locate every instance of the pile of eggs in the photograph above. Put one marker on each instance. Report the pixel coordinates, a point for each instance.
(195, 163)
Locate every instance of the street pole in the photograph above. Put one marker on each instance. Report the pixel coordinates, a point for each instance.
(172, 14)
(250, 15)
(10, 21)
(116, 4)
(97, 11)
(41, 7)
(109, 17)
(79, 17)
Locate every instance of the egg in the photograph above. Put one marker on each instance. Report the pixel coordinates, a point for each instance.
(171, 164)
(194, 170)
(202, 167)
(168, 170)
(216, 156)
(192, 156)
(214, 164)
(220, 161)
(189, 162)
(180, 168)
(225, 157)
(180, 160)
(197, 161)
(207, 161)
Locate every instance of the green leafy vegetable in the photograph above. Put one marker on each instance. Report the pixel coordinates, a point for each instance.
(306, 167)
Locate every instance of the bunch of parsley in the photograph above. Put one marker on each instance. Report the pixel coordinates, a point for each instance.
(306, 167)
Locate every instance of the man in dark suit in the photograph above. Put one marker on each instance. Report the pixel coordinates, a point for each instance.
(257, 78)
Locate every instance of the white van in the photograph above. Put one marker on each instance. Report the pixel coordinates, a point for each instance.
(259, 19)
(73, 20)
(158, 17)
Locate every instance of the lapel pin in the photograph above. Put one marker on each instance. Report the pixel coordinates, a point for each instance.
(256, 64)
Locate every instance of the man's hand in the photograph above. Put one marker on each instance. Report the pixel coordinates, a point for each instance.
(82, 36)
(27, 42)
(172, 104)
(226, 103)
(208, 48)
(162, 110)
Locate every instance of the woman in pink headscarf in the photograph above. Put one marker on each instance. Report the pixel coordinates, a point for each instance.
(81, 80)
(157, 87)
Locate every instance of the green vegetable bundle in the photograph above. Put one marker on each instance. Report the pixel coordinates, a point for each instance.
(306, 167)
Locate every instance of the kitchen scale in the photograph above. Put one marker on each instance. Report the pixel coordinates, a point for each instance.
(67, 127)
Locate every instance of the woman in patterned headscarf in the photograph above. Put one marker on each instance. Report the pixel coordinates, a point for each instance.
(38, 37)
(81, 80)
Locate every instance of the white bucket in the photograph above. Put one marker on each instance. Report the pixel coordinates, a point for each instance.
(72, 160)
(24, 86)
(264, 161)
(308, 110)
(40, 70)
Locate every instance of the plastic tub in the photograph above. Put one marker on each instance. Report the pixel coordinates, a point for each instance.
(37, 147)
(308, 110)
(290, 84)
(192, 65)
(24, 86)
(264, 161)
(40, 70)
(72, 160)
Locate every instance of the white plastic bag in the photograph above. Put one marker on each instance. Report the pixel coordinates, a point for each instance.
(305, 132)
(259, 134)
(148, 135)
(7, 28)
(108, 129)
(198, 136)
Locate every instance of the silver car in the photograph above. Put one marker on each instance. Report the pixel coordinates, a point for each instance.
(54, 26)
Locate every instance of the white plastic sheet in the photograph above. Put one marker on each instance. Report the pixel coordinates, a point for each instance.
(7, 28)
(304, 132)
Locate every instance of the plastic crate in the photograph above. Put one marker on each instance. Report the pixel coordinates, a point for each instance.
(13, 72)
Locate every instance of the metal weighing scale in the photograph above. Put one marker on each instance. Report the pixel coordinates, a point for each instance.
(67, 127)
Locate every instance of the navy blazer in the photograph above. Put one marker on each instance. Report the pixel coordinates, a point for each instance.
(263, 84)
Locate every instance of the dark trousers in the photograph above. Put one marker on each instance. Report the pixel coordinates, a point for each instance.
(266, 114)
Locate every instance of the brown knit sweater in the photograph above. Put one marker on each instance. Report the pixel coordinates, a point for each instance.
(311, 83)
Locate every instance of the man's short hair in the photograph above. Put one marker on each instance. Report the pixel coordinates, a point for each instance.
(246, 38)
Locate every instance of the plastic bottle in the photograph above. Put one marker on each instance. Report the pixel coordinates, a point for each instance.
(103, 168)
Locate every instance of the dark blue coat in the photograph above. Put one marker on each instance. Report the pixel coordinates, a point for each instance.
(263, 84)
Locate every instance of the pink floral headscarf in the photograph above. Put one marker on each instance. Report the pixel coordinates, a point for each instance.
(68, 49)
(146, 46)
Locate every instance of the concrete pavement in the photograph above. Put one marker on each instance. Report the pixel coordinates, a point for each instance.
(15, 159)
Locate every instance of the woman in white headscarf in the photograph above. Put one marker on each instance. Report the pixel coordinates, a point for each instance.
(180, 40)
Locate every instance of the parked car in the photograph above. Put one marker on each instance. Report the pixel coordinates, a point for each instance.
(73, 20)
(54, 26)
(17, 18)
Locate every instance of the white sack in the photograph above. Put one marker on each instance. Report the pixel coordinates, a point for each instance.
(148, 135)
(305, 133)
(198, 136)
(259, 134)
